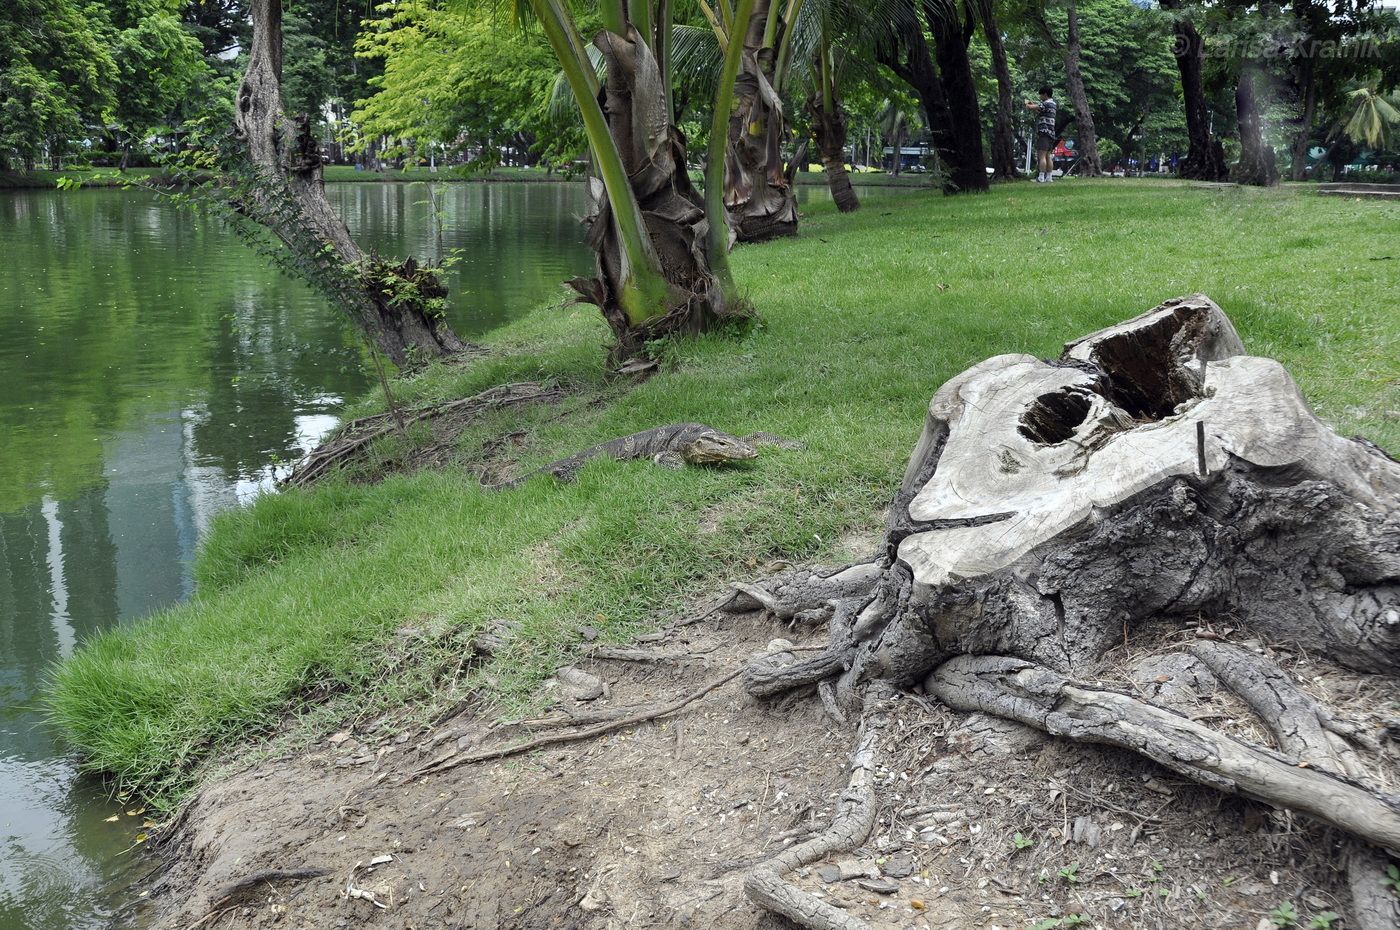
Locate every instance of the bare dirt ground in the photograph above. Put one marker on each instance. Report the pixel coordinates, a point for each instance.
(982, 823)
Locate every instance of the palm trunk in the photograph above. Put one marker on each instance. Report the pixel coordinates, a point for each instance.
(1257, 165)
(1003, 132)
(398, 307)
(646, 223)
(1205, 157)
(757, 185)
(951, 37)
(829, 127)
(1083, 114)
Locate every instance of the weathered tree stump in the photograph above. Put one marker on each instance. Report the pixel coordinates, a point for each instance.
(1154, 472)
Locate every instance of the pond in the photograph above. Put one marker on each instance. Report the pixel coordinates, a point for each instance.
(153, 372)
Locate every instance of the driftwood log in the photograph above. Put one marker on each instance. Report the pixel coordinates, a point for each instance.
(1152, 473)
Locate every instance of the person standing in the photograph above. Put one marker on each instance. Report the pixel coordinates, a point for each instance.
(1045, 134)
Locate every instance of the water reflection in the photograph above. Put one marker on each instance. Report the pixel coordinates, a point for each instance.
(153, 372)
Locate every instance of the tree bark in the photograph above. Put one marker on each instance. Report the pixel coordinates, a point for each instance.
(399, 307)
(653, 153)
(1205, 157)
(1088, 140)
(1257, 165)
(1298, 169)
(829, 128)
(1004, 166)
(911, 60)
(758, 189)
(951, 36)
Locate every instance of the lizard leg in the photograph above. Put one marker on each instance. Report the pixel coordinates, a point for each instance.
(670, 460)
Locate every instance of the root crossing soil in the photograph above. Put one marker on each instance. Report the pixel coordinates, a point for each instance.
(980, 822)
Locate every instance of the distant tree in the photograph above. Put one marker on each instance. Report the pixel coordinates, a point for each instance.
(941, 76)
(430, 90)
(57, 74)
(158, 62)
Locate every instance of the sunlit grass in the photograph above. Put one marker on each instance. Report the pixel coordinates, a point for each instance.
(302, 595)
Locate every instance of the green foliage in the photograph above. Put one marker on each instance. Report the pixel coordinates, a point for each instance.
(1324, 921)
(56, 72)
(1285, 915)
(158, 63)
(462, 79)
(1056, 923)
(1070, 873)
(1391, 879)
(1020, 842)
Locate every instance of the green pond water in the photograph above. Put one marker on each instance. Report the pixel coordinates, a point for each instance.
(154, 372)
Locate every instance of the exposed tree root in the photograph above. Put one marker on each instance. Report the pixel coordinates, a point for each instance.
(1153, 474)
(1304, 729)
(1308, 732)
(455, 759)
(353, 440)
(1036, 696)
(854, 819)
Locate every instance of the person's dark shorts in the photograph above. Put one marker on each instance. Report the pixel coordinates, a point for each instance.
(1044, 142)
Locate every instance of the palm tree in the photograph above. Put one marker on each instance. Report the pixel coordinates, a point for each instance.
(1371, 119)
(784, 45)
(661, 249)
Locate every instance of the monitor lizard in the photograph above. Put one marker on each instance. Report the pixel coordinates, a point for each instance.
(670, 446)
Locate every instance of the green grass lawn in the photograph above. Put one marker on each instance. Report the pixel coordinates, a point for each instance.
(367, 593)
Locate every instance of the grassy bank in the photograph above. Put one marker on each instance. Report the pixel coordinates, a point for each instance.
(91, 177)
(368, 594)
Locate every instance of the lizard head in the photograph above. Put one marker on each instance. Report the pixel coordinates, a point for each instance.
(717, 447)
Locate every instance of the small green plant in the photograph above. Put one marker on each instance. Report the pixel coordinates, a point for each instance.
(1070, 873)
(1133, 893)
(1392, 879)
(1020, 842)
(1054, 923)
(1285, 915)
(1324, 921)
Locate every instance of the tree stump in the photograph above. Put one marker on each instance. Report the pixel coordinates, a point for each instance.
(1152, 473)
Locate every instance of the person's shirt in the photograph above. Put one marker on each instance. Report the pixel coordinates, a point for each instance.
(1046, 123)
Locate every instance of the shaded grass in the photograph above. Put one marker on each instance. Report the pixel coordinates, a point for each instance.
(301, 594)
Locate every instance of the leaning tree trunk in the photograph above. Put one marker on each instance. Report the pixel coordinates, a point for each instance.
(758, 189)
(1257, 164)
(398, 306)
(829, 128)
(1087, 138)
(1051, 511)
(1003, 134)
(654, 157)
(1205, 156)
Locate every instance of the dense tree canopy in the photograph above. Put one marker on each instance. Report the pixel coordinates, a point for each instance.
(430, 92)
(56, 72)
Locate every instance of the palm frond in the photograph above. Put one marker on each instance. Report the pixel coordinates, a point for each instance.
(1372, 120)
(696, 59)
(561, 105)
